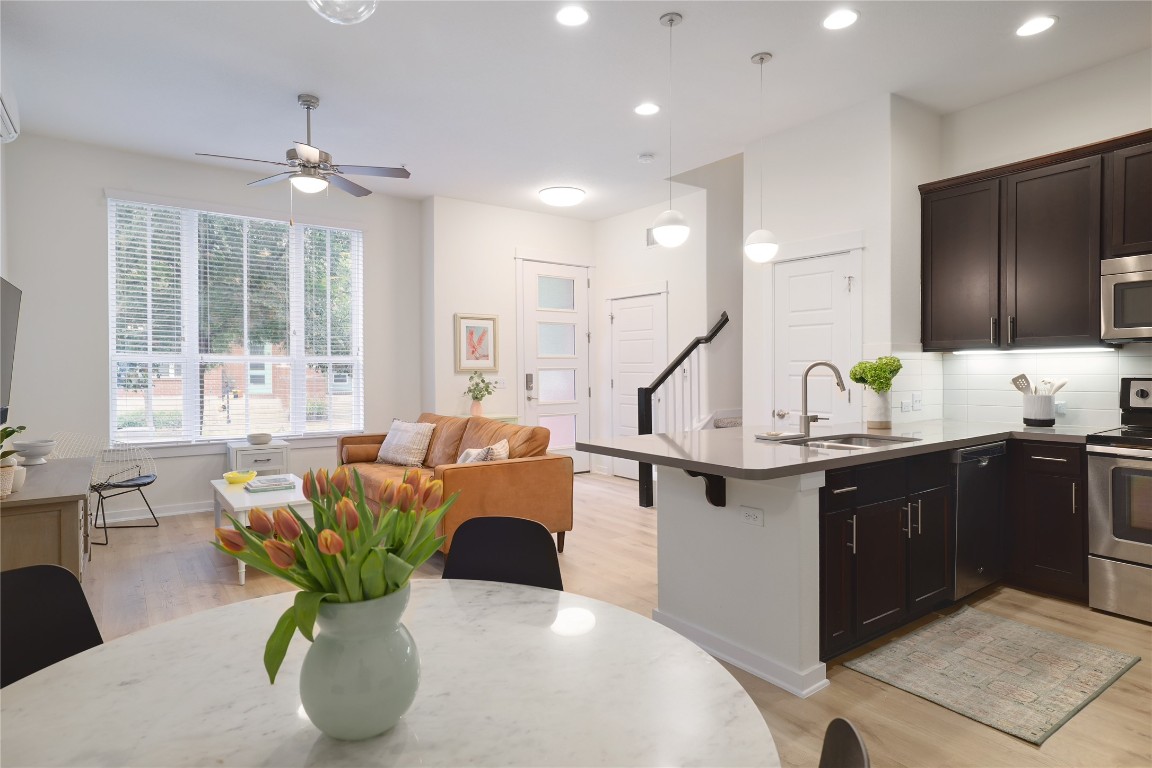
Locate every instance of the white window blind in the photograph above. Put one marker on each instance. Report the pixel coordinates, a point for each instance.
(223, 325)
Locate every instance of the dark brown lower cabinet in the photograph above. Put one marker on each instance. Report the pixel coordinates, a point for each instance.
(883, 560)
(1047, 498)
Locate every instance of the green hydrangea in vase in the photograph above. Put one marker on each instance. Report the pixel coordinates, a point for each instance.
(876, 376)
(478, 389)
(353, 567)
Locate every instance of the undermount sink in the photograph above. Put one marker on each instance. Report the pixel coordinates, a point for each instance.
(847, 442)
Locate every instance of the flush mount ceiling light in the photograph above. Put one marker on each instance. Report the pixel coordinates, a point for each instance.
(561, 197)
(671, 227)
(344, 12)
(761, 245)
(647, 108)
(308, 180)
(841, 19)
(572, 16)
(1036, 26)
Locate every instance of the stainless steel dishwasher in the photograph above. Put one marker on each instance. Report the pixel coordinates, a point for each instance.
(981, 527)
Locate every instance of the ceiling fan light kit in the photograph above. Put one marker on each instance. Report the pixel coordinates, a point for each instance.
(671, 227)
(761, 246)
(344, 12)
(311, 169)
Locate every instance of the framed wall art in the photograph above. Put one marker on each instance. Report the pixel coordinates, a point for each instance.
(476, 343)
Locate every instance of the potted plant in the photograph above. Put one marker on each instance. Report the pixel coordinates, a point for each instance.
(876, 376)
(7, 460)
(352, 566)
(478, 389)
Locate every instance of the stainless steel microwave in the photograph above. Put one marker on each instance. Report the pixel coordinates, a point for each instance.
(1126, 299)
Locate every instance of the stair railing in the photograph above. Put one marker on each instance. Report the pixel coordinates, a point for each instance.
(644, 403)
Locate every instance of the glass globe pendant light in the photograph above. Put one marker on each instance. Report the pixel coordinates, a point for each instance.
(761, 245)
(344, 12)
(671, 227)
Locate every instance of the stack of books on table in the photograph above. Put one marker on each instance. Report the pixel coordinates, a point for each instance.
(270, 483)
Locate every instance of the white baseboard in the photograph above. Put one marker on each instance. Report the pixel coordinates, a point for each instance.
(802, 683)
(141, 513)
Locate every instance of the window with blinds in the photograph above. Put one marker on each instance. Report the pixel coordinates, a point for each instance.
(224, 325)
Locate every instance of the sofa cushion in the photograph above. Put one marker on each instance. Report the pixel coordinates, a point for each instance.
(406, 443)
(445, 444)
(522, 441)
(496, 452)
(355, 453)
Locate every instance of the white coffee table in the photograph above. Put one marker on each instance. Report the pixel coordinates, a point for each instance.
(233, 499)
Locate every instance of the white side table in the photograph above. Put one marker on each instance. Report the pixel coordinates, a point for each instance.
(270, 458)
(233, 499)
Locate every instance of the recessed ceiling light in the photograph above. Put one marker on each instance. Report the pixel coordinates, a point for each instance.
(561, 197)
(572, 16)
(1036, 26)
(841, 19)
(647, 108)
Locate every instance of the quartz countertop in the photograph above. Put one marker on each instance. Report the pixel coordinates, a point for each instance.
(735, 452)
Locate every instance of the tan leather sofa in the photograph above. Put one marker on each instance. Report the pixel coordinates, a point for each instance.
(530, 483)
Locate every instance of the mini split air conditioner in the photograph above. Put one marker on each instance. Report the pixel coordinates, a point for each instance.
(9, 121)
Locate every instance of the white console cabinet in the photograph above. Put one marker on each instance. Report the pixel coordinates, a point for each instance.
(271, 458)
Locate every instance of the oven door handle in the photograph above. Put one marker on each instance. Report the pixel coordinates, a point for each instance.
(1127, 453)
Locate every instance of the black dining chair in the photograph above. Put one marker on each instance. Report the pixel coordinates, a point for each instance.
(44, 618)
(509, 549)
(843, 746)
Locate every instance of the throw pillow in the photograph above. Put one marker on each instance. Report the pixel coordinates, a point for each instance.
(496, 452)
(406, 443)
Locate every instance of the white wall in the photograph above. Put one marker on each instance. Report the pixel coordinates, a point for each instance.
(724, 269)
(1112, 99)
(625, 263)
(473, 267)
(826, 177)
(57, 253)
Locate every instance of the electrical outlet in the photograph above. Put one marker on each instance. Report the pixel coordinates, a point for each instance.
(905, 406)
(1061, 408)
(917, 401)
(751, 515)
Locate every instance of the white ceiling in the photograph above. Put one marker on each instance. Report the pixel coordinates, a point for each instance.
(491, 101)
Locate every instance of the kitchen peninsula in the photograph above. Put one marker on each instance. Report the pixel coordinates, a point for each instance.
(739, 570)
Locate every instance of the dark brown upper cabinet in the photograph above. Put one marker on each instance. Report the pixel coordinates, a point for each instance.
(961, 267)
(1051, 245)
(1128, 201)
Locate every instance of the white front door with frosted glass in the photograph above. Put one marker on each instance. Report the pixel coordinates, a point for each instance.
(639, 354)
(816, 316)
(553, 354)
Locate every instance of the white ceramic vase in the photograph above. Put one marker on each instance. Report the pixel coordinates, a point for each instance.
(19, 475)
(878, 408)
(361, 673)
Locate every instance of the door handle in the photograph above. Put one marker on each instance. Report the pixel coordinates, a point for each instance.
(853, 543)
(919, 517)
(992, 330)
(908, 508)
(1074, 501)
(844, 490)
(1049, 458)
(1011, 329)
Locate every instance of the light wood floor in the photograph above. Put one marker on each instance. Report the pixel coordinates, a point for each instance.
(147, 576)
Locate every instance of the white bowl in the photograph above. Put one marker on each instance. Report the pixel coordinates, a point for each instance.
(33, 451)
(259, 438)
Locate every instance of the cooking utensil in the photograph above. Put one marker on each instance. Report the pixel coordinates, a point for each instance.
(1045, 387)
(1023, 384)
(1059, 386)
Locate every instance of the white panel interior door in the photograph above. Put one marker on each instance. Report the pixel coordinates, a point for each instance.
(816, 316)
(639, 353)
(553, 355)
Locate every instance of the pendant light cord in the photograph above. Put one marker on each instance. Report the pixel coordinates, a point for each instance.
(671, 23)
(761, 159)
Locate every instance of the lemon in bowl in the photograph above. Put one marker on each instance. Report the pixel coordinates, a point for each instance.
(238, 477)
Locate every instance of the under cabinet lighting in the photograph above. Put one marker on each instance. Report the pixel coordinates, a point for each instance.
(1043, 351)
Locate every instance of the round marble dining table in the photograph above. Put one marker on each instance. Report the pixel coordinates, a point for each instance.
(510, 676)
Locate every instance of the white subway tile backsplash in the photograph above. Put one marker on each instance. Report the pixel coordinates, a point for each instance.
(955, 412)
(1009, 397)
(1136, 365)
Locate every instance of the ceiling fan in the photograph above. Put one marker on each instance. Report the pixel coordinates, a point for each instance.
(312, 169)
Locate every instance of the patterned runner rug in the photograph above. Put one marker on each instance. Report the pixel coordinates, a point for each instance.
(1021, 680)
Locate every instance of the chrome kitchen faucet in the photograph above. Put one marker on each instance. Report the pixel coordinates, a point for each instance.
(805, 419)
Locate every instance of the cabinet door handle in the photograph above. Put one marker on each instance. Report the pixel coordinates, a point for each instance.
(919, 516)
(845, 490)
(261, 461)
(992, 330)
(1073, 498)
(853, 544)
(1049, 458)
(1011, 329)
(908, 508)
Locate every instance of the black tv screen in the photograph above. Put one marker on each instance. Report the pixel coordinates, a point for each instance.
(9, 316)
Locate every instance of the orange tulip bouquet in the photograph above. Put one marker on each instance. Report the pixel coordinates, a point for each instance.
(352, 554)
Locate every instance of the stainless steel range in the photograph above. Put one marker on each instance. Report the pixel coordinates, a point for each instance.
(1120, 507)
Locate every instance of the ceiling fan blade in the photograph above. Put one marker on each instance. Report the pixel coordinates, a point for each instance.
(372, 170)
(247, 159)
(270, 179)
(307, 153)
(347, 185)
